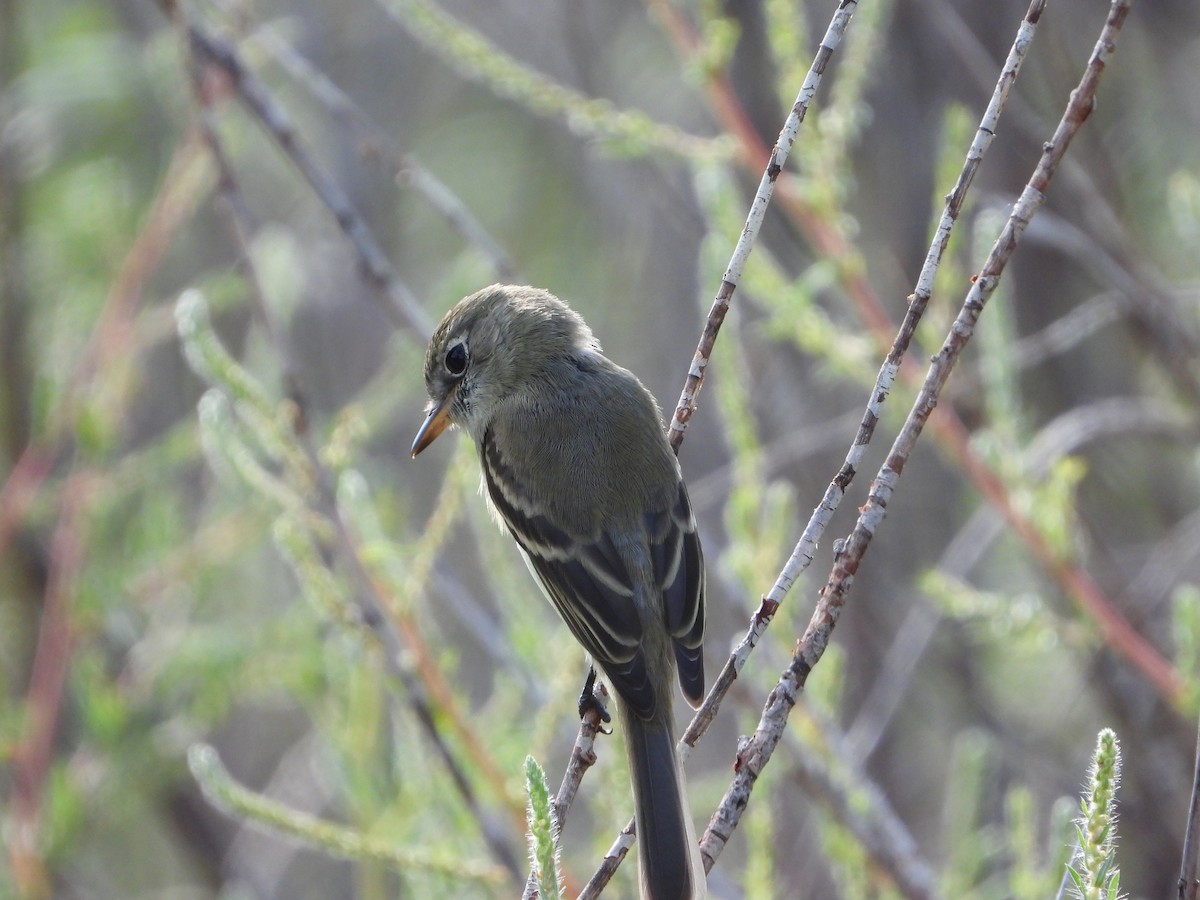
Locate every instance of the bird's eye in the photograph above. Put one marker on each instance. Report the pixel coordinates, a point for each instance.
(456, 359)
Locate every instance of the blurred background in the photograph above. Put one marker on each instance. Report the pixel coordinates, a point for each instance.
(211, 532)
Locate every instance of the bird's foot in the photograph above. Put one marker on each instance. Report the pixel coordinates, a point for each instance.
(589, 702)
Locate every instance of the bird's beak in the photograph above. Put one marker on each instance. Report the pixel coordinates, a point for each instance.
(435, 423)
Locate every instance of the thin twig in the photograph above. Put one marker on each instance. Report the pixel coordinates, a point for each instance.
(33, 754)
(1063, 436)
(802, 555)
(756, 751)
(686, 407)
(828, 241)
(583, 757)
(405, 167)
(695, 380)
(805, 549)
(1167, 325)
(861, 806)
(373, 608)
(1189, 869)
(948, 429)
(612, 861)
(111, 337)
(1074, 581)
(400, 304)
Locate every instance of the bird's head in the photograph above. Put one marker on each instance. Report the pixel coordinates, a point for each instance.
(491, 346)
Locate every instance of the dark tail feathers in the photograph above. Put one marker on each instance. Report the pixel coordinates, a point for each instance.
(668, 858)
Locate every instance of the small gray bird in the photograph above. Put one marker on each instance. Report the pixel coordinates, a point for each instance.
(578, 469)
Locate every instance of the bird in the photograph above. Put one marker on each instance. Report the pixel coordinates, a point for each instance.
(576, 466)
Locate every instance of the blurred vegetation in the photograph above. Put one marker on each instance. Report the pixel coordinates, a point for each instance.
(214, 548)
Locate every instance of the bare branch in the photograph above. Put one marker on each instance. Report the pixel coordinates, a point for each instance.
(400, 304)
(583, 757)
(33, 753)
(612, 860)
(372, 606)
(757, 750)
(802, 555)
(1189, 870)
(861, 806)
(758, 211)
(405, 168)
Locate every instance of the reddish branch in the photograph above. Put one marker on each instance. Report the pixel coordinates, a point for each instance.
(755, 752)
(948, 429)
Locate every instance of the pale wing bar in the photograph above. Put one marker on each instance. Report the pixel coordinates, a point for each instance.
(587, 583)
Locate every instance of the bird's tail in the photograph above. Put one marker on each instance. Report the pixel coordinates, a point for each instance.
(668, 857)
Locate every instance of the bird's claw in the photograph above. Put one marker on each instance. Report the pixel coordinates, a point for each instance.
(589, 702)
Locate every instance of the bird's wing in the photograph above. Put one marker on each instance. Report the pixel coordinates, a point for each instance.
(679, 573)
(587, 581)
